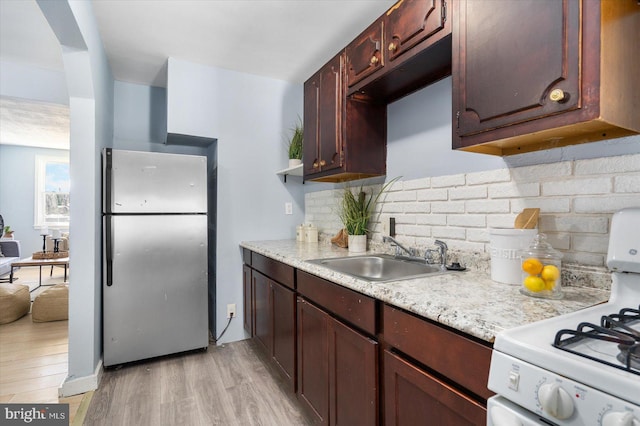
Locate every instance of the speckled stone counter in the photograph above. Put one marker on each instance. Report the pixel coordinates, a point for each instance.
(467, 301)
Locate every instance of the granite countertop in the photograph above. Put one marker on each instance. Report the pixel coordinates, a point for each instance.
(467, 301)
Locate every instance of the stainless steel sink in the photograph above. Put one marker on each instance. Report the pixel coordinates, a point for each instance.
(379, 267)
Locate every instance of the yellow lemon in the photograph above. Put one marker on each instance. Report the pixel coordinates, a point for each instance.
(532, 266)
(534, 284)
(550, 273)
(549, 284)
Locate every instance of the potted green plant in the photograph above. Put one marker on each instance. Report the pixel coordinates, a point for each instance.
(295, 146)
(355, 211)
(8, 233)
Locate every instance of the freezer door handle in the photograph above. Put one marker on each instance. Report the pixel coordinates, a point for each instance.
(108, 170)
(109, 249)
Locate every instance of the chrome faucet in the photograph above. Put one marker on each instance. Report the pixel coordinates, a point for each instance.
(399, 247)
(442, 251)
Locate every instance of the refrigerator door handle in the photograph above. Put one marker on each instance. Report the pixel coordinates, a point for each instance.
(107, 180)
(109, 249)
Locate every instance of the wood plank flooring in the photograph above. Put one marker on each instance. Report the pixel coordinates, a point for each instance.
(226, 385)
(34, 356)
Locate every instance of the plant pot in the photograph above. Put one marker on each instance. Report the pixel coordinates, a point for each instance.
(293, 162)
(357, 243)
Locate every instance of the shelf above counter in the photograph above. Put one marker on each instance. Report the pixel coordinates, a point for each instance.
(291, 171)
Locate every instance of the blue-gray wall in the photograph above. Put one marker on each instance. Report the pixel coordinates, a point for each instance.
(17, 196)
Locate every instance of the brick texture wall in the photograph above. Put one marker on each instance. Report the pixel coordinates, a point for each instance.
(576, 201)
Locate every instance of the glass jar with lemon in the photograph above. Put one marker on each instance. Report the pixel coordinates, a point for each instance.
(541, 270)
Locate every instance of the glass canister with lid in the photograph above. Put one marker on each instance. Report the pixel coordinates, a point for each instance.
(541, 270)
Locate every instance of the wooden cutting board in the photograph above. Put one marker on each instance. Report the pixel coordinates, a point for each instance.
(528, 219)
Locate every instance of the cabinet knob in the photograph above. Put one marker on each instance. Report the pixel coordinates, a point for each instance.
(374, 60)
(315, 164)
(558, 95)
(392, 47)
(322, 162)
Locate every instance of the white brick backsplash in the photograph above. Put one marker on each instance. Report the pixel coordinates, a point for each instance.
(491, 176)
(587, 259)
(487, 206)
(392, 197)
(605, 204)
(608, 165)
(468, 192)
(577, 186)
(447, 181)
(513, 189)
(630, 183)
(415, 184)
(416, 207)
(447, 207)
(576, 199)
(574, 223)
(432, 195)
(501, 220)
(431, 219)
(478, 235)
(448, 232)
(467, 220)
(541, 172)
(559, 241)
(590, 243)
(546, 205)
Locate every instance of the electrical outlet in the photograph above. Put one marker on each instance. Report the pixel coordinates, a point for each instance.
(384, 219)
(231, 310)
(288, 208)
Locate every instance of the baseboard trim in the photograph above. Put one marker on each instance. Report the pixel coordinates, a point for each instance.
(78, 385)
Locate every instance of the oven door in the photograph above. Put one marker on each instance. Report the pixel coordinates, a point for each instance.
(502, 412)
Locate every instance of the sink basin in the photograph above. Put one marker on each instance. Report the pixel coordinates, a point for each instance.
(379, 267)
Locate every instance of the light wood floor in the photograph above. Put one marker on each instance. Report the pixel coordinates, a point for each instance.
(33, 356)
(226, 385)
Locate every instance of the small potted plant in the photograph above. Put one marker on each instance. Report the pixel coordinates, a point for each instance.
(295, 146)
(8, 233)
(355, 211)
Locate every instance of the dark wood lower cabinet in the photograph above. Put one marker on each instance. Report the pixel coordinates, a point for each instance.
(274, 323)
(415, 397)
(247, 289)
(337, 370)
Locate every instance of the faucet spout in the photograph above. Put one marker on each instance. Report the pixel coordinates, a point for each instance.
(442, 246)
(399, 247)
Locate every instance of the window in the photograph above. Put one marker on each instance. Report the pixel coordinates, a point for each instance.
(52, 192)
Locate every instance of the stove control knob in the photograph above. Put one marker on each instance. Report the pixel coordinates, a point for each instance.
(617, 418)
(555, 401)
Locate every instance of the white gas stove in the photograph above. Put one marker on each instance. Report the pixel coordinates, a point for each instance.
(582, 368)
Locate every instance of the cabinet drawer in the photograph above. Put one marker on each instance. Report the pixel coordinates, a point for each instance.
(275, 270)
(413, 395)
(461, 359)
(353, 307)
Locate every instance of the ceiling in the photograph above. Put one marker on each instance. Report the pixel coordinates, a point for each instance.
(282, 39)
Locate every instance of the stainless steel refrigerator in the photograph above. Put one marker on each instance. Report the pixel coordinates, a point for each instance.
(155, 255)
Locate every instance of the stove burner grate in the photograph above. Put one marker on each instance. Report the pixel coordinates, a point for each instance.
(614, 328)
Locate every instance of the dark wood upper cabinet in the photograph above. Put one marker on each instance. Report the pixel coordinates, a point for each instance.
(404, 50)
(530, 75)
(411, 22)
(344, 139)
(364, 54)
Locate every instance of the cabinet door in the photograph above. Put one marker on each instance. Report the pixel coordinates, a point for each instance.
(514, 61)
(330, 109)
(284, 330)
(247, 311)
(311, 153)
(262, 311)
(353, 377)
(313, 354)
(414, 397)
(410, 22)
(364, 55)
